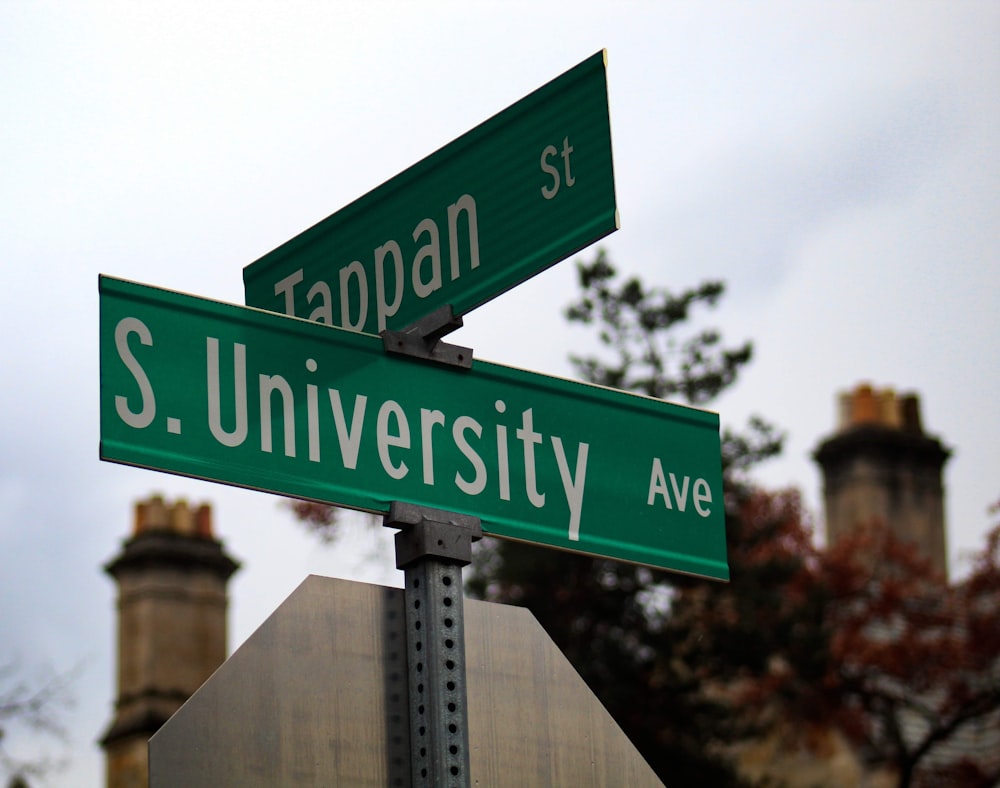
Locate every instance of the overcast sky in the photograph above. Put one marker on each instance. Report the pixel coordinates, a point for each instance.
(835, 163)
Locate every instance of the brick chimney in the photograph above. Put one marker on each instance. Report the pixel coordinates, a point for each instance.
(172, 603)
(880, 466)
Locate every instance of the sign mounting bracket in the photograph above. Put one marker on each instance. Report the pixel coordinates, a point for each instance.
(422, 339)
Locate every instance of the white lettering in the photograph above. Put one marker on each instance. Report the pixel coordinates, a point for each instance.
(526, 434)
(239, 433)
(142, 419)
(388, 265)
(566, 151)
(465, 204)
(548, 192)
(345, 297)
(702, 494)
(324, 312)
(680, 496)
(573, 487)
(383, 308)
(312, 420)
(478, 483)
(658, 485)
(430, 251)
(428, 418)
(503, 464)
(385, 439)
(286, 286)
(268, 385)
(350, 441)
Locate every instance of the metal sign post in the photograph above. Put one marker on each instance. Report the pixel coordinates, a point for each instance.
(431, 549)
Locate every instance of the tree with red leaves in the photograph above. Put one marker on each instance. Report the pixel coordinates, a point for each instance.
(914, 663)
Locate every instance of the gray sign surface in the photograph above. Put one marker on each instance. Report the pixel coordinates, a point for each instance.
(317, 696)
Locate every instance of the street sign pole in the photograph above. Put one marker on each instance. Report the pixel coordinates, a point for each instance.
(431, 549)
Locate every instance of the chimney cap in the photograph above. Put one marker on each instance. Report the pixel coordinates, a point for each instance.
(156, 515)
(866, 405)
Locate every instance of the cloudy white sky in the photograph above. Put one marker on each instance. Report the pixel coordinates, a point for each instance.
(835, 163)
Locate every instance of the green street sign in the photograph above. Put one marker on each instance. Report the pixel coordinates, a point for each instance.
(525, 189)
(260, 400)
